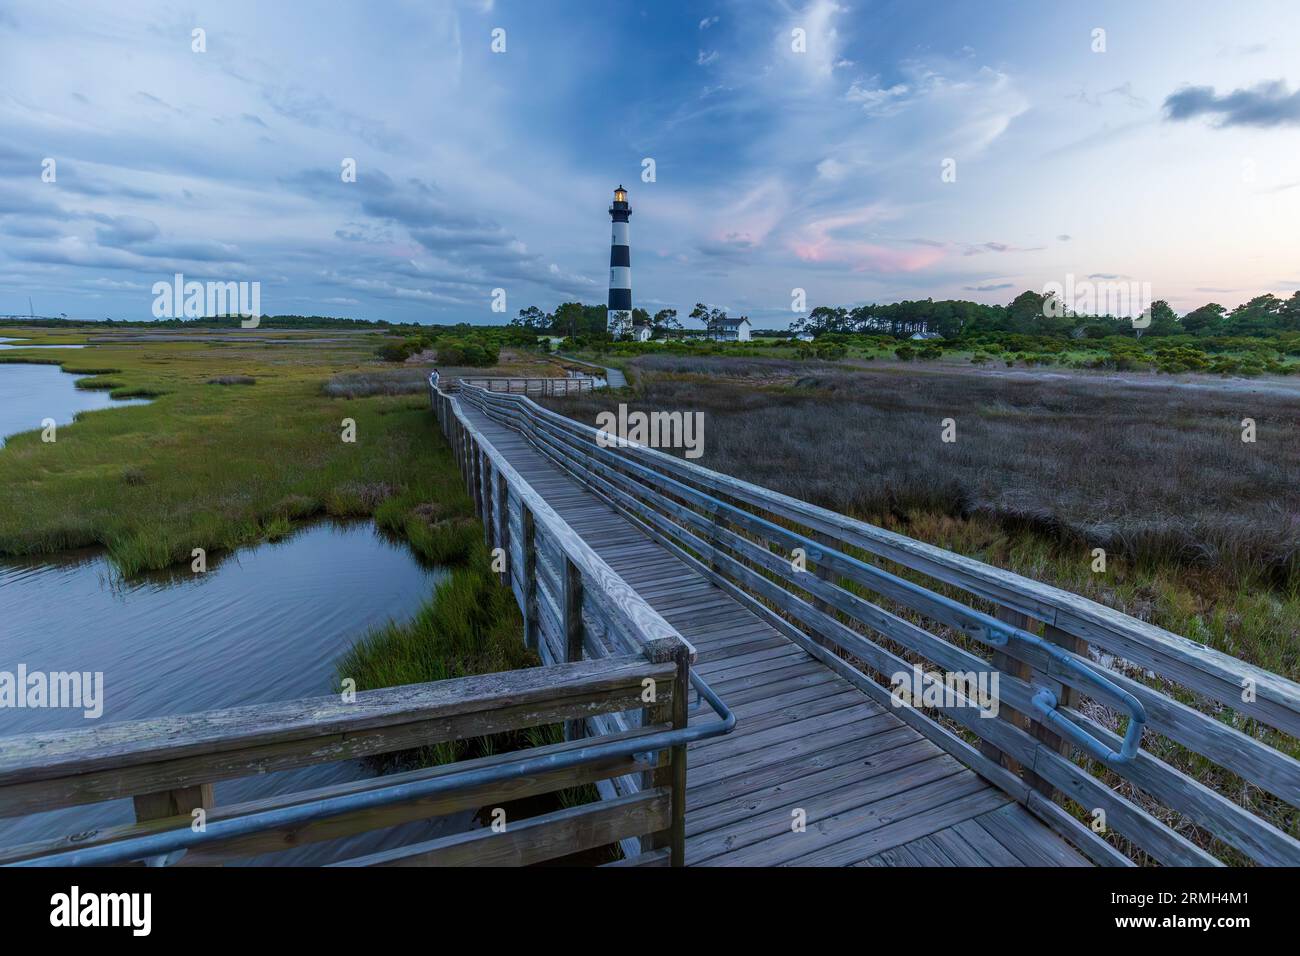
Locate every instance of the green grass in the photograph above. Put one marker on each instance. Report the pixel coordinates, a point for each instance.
(216, 467)
(471, 626)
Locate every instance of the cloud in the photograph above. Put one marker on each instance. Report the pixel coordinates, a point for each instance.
(1265, 105)
(708, 22)
(124, 230)
(998, 247)
(1124, 91)
(878, 101)
(994, 287)
(704, 58)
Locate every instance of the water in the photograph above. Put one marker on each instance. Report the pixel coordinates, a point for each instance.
(21, 344)
(29, 394)
(265, 624)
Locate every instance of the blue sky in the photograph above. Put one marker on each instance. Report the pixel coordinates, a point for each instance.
(1172, 157)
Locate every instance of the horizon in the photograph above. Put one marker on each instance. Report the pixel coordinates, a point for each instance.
(1168, 162)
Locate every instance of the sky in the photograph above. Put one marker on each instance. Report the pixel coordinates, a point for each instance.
(857, 151)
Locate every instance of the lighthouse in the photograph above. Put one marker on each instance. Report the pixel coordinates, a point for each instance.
(619, 321)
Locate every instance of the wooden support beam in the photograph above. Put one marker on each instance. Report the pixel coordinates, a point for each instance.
(530, 576)
(503, 525)
(573, 633)
(536, 839)
(182, 801)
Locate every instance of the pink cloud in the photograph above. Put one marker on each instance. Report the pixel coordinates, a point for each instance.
(820, 241)
(867, 257)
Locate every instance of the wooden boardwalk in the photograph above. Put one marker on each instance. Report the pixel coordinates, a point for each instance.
(874, 792)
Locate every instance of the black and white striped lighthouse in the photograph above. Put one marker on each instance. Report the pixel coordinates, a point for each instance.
(620, 267)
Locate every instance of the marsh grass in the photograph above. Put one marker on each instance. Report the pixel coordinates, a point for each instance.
(398, 381)
(1153, 475)
(225, 467)
(1201, 530)
(471, 626)
(232, 380)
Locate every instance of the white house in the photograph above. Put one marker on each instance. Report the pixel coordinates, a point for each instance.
(642, 333)
(925, 336)
(729, 330)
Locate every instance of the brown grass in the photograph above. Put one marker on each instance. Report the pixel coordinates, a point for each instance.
(1152, 474)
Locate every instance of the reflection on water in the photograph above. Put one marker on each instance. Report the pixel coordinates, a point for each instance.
(29, 394)
(22, 344)
(265, 624)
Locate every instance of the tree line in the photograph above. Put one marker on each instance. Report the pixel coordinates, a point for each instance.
(1033, 313)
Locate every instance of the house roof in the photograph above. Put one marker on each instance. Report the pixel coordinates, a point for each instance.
(730, 322)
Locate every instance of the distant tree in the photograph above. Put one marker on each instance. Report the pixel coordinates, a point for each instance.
(665, 320)
(1204, 321)
(825, 318)
(709, 316)
(1260, 316)
(1026, 312)
(1164, 321)
(533, 318)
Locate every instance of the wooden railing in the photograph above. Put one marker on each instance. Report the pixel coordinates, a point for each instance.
(534, 386)
(168, 766)
(853, 602)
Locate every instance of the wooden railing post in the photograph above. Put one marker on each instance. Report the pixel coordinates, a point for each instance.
(529, 548)
(503, 525)
(489, 500)
(1007, 664)
(573, 633)
(1066, 697)
(1005, 661)
(173, 803)
(670, 765)
(476, 477)
(677, 770)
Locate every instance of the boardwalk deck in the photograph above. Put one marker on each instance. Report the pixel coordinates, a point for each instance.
(873, 790)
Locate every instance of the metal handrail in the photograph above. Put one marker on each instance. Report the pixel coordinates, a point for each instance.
(975, 624)
(162, 848)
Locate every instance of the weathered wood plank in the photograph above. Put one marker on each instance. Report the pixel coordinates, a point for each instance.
(43, 771)
(349, 824)
(537, 839)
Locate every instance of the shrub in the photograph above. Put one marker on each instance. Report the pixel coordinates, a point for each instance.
(398, 351)
(905, 352)
(232, 380)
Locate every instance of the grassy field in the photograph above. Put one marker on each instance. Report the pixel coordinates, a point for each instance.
(243, 439)
(1238, 358)
(1201, 529)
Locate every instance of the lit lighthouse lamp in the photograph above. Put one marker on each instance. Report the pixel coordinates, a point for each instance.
(619, 321)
